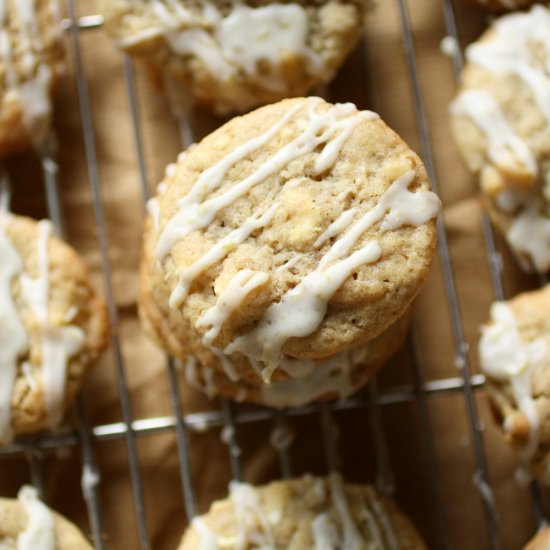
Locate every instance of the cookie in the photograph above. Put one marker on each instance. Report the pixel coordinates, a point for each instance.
(299, 230)
(501, 123)
(514, 352)
(52, 326)
(301, 514)
(234, 56)
(27, 523)
(31, 65)
(335, 377)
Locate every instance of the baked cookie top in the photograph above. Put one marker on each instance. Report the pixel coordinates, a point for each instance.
(52, 325)
(301, 514)
(501, 122)
(28, 524)
(514, 352)
(234, 55)
(30, 65)
(303, 229)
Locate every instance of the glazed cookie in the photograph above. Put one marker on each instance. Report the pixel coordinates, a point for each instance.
(335, 377)
(30, 67)
(515, 356)
(501, 122)
(52, 326)
(233, 56)
(299, 230)
(301, 514)
(28, 524)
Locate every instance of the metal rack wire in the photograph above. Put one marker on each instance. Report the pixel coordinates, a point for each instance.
(229, 417)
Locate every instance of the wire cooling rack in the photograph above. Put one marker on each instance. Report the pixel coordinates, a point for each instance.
(232, 418)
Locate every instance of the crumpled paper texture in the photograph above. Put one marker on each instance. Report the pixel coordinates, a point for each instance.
(383, 87)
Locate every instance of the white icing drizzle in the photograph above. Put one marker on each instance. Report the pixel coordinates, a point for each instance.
(352, 538)
(337, 226)
(13, 336)
(237, 43)
(208, 538)
(529, 234)
(504, 148)
(58, 343)
(301, 310)
(330, 375)
(195, 213)
(506, 357)
(221, 249)
(325, 534)
(510, 50)
(449, 46)
(40, 530)
(184, 221)
(238, 288)
(253, 527)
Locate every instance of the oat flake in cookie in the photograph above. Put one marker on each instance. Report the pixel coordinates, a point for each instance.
(31, 65)
(501, 123)
(515, 357)
(28, 524)
(302, 514)
(52, 326)
(232, 56)
(326, 211)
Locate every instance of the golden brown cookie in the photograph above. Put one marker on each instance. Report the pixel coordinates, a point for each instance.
(335, 377)
(501, 123)
(52, 326)
(301, 514)
(233, 56)
(541, 541)
(515, 357)
(28, 524)
(31, 65)
(299, 230)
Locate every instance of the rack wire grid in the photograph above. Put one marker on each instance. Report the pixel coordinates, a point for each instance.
(443, 528)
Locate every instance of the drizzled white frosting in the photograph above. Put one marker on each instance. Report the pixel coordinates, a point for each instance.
(504, 148)
(512, 49)
(32, 89)
(301, 310)
(58, 343)
(506, 357)
(238, 43)
(529, 235)
(238, 288)
(40, 530)
(351, 535)
(13, 336)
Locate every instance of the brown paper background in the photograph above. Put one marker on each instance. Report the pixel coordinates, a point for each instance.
(384, 88)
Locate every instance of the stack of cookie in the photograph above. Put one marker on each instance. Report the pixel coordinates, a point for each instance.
(283, 252)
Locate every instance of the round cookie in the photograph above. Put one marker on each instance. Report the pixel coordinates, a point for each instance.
(301, 514)
(541, 541)
(30, 69)
(299, 230)
(28, 523)
(514, 355)
(52, 326)
(501, 123)
(233, 56)
(336, 377)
